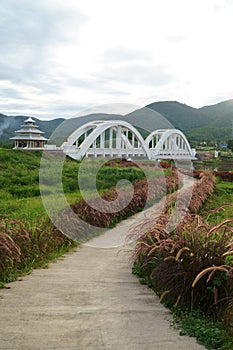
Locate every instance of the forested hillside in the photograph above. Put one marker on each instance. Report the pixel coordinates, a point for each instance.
(208, 123)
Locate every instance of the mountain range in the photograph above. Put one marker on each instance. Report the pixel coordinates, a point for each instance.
(209, 123)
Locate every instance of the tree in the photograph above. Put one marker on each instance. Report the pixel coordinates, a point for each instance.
(230, 144)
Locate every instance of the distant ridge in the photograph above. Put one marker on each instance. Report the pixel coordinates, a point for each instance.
(180, 115)
(208, 123)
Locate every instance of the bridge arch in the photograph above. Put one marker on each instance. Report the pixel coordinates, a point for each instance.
(113, 138)
(169, 144)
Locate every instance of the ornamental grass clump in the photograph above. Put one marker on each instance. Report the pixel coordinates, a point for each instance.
(109, 213)
(191, 268)
(192, 265)
(25, 245)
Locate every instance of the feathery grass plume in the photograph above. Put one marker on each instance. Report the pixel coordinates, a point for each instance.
(173, 260)
(25, 245)
(209, 269)
(9, 251)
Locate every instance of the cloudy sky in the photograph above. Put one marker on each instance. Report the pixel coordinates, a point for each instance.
(59, 57)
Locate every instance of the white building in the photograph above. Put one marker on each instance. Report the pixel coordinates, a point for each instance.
(29, 136)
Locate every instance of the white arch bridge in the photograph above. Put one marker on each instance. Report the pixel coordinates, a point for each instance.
(119, 139)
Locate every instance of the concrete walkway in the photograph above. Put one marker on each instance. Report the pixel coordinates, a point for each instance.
(90, 300)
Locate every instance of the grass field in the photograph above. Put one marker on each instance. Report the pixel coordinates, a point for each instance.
(19, 181)
(24, 224)
(27, 237)
(223, 194)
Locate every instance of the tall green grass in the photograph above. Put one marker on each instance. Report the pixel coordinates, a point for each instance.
(19, 181)
(27, 238)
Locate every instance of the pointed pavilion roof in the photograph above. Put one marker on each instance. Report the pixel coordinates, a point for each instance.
(29, 130)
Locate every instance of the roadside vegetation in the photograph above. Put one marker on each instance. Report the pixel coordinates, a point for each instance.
(19, 182)
(27, 237)
(26, 245)
(191, 267)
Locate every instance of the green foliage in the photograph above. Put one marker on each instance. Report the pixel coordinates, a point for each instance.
(209, 133)
(230, 144)
(207, 331)
(19, 176)
(107, 176)
(209, 123)
(112, 214)
(6, 144)
(202, 124)
(27, 238)
(19, 181)
(180, 115)
(223, 194)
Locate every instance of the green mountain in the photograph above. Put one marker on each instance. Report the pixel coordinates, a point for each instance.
(209, 123)
(144, 119)
(180, 115)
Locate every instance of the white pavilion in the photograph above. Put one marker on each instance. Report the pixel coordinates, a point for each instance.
(29, 136)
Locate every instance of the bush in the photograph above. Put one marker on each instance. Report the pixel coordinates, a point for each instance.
(192, 266)
(24, 191)
(25, 245)
(105, 217)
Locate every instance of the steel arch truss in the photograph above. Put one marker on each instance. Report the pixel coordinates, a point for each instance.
(112, 138)
(119, 139)
(169, 144)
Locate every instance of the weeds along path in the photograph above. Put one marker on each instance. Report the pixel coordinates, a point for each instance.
(89, 300)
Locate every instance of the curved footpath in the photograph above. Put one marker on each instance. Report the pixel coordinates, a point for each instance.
(89, 300)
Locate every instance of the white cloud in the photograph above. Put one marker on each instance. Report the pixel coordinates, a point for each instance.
(69, 54)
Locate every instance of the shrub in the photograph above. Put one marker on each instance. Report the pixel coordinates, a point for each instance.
(192, 266)
(25, 245)
(106, 216)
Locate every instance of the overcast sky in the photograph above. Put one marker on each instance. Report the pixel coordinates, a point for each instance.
(59, 57)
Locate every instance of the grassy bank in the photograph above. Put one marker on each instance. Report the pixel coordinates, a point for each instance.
(27, 245)
(191, 268)
(216, 331)
(19, 181)
(27, 238)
